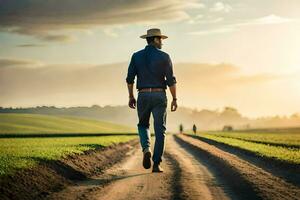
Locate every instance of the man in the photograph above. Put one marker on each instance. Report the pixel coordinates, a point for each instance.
(180, 128)
(154, 72)
(194, 129)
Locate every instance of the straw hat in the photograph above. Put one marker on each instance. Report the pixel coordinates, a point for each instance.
(153, 32)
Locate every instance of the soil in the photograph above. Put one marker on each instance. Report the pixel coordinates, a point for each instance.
(193, 169)
(51, 176)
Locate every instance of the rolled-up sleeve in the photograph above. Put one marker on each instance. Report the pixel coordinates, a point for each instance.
(170, 78)
(131, 71)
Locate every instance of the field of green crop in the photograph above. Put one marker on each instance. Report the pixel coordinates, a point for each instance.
(276, 139)
(23, 151)
(16, 153)
(17, 123)
(280, 146)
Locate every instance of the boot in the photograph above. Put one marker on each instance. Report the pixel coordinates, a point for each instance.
(147, 158)
(157, 168)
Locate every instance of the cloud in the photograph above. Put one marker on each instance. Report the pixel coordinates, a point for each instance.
(272, 19)
(86, 83)
(30, 45)
(223, 74)
(57, 38)
(265, 20)
(212, 31)
(43, 19)
(199, 84)
(110, 32)
(256, 78)
(40, 34)
(195, 5)
(221, 7)
(8, 62)
(201, 19)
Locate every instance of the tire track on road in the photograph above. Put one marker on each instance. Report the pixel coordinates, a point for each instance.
(256, 180)
(125, 180)
(195, 181)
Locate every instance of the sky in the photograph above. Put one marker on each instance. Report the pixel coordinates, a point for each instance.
(243, 54)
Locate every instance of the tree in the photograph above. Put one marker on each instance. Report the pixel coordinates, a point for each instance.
(227, 128)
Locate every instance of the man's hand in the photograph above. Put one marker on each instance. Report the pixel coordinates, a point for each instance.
(174, 102)
(132, 102)
(173, 105)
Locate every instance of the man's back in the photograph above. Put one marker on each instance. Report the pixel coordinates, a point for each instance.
(151, 66)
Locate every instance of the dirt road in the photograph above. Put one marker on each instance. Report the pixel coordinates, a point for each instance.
(193, 170)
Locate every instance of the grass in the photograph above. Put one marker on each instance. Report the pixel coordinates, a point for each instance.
(17, 123)
(276, 139)
(18, 153)
(262, 144)
(26, 149)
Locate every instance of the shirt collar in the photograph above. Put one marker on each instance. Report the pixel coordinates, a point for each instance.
(150, 46)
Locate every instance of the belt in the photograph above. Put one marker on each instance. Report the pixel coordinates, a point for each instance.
(151, 89)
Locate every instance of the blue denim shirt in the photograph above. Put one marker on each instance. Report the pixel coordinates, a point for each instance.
(152, 67)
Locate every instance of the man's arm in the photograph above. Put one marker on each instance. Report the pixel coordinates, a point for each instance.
(173, 91)
(174, 101)
(132, 101)
(130, 82)
(130, 89)
(171, 82)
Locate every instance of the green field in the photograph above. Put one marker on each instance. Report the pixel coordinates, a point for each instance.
(16, 123)
(279, 146)
(25, 152)
(16, 153)
(276, 139)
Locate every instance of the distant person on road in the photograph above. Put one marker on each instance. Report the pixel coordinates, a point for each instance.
(154, 71)
(194, 129)
(180, 128)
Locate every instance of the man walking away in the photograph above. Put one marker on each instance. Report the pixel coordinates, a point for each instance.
(180, 128)
(194, 129)
(154, 71)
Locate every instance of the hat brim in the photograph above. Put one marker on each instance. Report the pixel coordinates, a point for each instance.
(145, 36)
